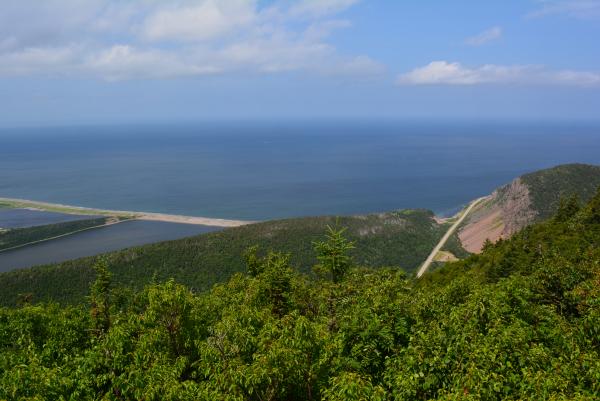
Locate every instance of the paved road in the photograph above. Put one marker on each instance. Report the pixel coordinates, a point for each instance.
(444, 239)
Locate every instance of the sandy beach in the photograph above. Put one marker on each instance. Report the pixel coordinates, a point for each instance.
(148, 216)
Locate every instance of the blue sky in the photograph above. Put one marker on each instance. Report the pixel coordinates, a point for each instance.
(112, 61)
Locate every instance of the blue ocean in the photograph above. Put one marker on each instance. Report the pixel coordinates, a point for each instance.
(266, 170)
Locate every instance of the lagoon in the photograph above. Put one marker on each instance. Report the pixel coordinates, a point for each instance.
(101, 240)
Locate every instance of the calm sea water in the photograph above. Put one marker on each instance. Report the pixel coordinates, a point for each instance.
(274, 170)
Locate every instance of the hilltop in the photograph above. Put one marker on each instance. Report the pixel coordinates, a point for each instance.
(528, 199)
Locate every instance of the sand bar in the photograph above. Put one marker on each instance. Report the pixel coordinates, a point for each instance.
(171, 218)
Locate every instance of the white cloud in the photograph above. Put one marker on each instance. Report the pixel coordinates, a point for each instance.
(322, 29)
(124, 62)
(206, 20)
(484, 37)
(446, 73)
(582, 9)
(320, 8)
(276, 55)
(115, 39)
(44, 60)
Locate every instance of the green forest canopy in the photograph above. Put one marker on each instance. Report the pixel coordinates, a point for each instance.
(521, 321)
(401, 239)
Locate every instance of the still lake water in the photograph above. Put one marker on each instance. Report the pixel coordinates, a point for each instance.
(274, 170)
(93, 242)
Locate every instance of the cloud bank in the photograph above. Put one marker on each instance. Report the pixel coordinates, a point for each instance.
(115, 39)
(453, 73)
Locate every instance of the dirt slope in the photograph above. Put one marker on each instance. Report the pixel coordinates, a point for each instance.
(527, 199)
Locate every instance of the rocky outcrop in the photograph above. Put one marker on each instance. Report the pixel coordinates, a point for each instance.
(515, 205)
(507, 211)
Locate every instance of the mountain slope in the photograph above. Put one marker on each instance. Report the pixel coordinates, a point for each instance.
(531, 198)
(401, 239)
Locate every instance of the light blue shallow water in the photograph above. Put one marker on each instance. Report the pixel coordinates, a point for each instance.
(273, 170)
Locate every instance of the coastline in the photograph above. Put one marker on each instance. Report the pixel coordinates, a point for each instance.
(147, 216)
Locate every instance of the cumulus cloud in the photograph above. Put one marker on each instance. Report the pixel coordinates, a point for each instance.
(205, 20)
(582, 9)
(114, 39)
(446, 73)
(123, 61)
(484, 37)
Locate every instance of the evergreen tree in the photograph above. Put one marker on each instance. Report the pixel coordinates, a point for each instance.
(567, 208)
(100, 297)
(333, 254)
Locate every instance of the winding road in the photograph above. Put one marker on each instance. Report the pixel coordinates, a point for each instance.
(444, 239)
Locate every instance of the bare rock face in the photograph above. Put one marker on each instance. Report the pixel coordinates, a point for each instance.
(507, 211)
(515, 203)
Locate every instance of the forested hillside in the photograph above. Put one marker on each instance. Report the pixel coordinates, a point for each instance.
(547, 187)
(518, 322)
(19, 236)
(401, 239)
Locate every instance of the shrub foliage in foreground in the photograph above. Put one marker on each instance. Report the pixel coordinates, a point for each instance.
(402, 238)
(520, 321)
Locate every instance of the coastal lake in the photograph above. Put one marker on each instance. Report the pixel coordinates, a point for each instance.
(96, 241)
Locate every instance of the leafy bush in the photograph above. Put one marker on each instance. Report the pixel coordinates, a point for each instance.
(518, 322)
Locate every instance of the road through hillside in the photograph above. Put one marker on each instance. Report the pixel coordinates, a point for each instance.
(444, 239)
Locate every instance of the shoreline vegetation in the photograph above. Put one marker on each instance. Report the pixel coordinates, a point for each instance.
(122, 214)
(22, 237)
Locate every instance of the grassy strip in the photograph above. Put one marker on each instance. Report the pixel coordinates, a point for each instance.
(49, 207)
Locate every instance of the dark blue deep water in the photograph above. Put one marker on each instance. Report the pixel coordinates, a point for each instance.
(258, 170)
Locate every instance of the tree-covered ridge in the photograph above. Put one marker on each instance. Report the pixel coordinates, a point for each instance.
(519, 322)
(20, 236)
(547, 187)
(401, 239)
